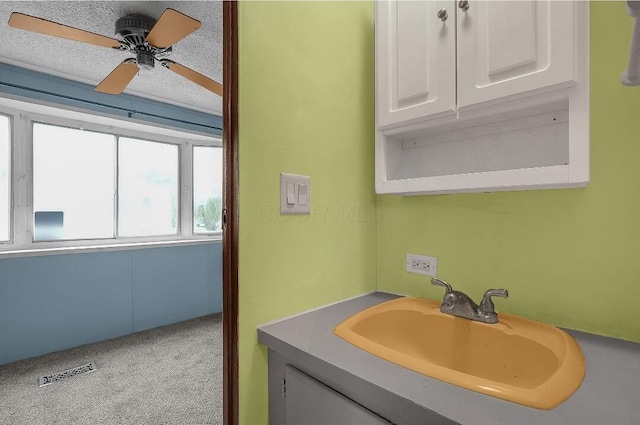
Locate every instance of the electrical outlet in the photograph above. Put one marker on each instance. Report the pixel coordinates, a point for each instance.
(422, 264)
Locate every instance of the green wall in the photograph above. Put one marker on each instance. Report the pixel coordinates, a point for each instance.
(569, 257)
(306, 107)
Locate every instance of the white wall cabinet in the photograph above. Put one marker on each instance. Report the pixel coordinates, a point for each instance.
(508, 48)
(415, 62)
(485, 98)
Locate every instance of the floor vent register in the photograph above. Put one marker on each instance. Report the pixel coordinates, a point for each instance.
(59, 376)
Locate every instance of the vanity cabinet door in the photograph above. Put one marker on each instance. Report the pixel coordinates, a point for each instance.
(510, 48)
(415, 60)
(309, 402)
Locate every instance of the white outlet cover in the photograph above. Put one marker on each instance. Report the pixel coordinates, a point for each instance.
(432, 263)
(298, 202)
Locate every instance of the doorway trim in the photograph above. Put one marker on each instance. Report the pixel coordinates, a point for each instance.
(230, 213)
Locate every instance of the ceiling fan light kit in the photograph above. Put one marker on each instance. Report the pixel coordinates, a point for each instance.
(149, 39)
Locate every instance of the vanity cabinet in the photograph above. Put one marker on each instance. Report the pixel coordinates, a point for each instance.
(466, 93)
(306, 344)
(303, 391)
(309, 402)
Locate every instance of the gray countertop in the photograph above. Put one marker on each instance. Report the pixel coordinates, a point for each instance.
(610, 393)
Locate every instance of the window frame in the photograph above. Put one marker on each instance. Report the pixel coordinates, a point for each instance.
(23, 115)
(10, 179)
(180, 211)
(192, 201)
(31, 191)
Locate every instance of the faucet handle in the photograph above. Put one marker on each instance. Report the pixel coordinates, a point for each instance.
(438, 282)
(486, 305)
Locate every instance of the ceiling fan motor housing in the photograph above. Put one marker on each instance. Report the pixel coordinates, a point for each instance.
(133, 29)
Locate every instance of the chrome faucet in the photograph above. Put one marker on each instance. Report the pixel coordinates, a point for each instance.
(460, 304)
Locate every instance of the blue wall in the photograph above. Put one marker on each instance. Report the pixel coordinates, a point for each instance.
(39, 86)
(51, 303)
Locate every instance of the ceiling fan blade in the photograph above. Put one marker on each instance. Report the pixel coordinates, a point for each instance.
(43, 26)
(171, 27)
(194, 76)
(117, 81)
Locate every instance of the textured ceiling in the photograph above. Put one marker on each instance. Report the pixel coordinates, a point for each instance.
(200, 51)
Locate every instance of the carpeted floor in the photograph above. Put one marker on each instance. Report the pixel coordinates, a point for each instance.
(165, 376)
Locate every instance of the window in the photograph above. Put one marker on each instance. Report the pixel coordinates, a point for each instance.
(207, 189)
(74, 178)
(81, 181)
(147, 188)
(5, 178)
(73, 183)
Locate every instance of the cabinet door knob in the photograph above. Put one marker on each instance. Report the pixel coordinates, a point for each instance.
(464, 5)
(443, 15)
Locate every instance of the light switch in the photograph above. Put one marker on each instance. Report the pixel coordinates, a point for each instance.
(302, 194)
(291, 193)
(295, 194)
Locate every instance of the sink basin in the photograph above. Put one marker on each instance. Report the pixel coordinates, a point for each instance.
(519, 360)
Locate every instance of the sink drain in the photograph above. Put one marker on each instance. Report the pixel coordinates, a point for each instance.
(59, 376)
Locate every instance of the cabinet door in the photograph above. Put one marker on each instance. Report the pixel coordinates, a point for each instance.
(509, 48)
(415, 60)
(308, 402)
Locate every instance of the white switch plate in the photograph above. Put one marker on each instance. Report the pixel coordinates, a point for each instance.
(422, 264)
(295, 203)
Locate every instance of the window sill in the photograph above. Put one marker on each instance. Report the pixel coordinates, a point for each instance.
(30, 251)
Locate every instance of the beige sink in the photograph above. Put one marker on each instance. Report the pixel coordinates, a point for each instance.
(518, 360)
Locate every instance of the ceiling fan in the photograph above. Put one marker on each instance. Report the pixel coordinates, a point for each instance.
(148, 39)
